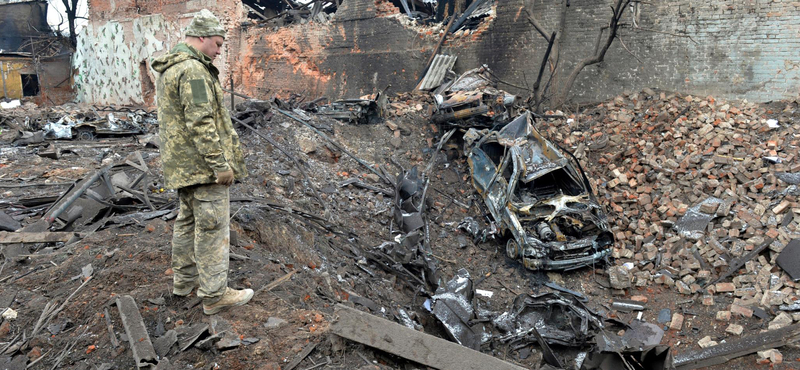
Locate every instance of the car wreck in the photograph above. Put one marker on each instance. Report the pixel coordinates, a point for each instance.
(539, 198)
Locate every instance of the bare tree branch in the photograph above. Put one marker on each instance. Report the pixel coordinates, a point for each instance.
(628, 50)
(536, 25)
(599, 55)
(668, 33)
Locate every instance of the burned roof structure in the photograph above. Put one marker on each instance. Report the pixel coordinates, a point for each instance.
(34, 61)
(19, 22)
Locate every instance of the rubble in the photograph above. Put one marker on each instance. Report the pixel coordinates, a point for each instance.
(648, 159)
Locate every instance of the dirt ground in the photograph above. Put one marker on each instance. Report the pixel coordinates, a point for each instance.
(284, 225)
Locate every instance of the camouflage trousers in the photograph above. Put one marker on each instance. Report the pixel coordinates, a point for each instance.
(200, 241)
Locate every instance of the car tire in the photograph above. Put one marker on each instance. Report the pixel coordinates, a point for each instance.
(85, 135)
(512, 248)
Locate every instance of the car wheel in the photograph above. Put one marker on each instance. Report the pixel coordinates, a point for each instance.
(512, 248)
(85, 135)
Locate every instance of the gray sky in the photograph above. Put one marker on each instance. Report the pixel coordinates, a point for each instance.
(56, 15)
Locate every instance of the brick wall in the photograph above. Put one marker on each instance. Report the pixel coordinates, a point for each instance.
(357, 53)
(735, 49)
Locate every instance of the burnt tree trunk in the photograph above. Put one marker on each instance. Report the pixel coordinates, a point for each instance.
(599, 54)
(556, 90)
(71, 8)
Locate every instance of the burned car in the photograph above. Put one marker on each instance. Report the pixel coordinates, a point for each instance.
(538, 197)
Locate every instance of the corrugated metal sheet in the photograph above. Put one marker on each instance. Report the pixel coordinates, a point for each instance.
(437, 72)
(483, 10)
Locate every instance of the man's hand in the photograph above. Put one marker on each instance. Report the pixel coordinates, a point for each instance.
(225, 178)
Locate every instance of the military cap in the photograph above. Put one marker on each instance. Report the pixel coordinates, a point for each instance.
(204, 24)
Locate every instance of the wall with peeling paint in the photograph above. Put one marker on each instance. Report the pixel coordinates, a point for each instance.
(726, 48)
(731, 49)
(112, 60)
(357, 53)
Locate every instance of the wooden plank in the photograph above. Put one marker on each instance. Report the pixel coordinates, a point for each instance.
(410, 344)
(29, 237)
(307, 351)
(143, 352)
(725, 352)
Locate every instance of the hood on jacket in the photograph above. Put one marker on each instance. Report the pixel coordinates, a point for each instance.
(180, 53)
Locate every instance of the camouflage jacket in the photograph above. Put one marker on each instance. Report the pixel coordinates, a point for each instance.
(197, 136)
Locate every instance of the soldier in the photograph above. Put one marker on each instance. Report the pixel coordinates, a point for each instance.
(201, 158)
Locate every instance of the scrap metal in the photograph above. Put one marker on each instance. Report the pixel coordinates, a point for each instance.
(725, 352)
(452, 305)
(537, 198)
(472, 100)
(559, 319)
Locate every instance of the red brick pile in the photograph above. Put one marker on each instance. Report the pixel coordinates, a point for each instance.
(653, 156)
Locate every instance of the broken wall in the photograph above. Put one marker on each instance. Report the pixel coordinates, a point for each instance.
(730, 49)
(734, 49)
(55, 81)
(357, 53)
(52, 78)
(21, 21)
(112, 60)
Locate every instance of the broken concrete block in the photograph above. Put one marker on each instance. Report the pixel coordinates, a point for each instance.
(306, 145)
(619, 277)
(741, 311)
(709, 207)
(229, 341)
(706, 342)
(274, 322)
(683, 288)
(781, 207)
(770, 356)
(723, 316)
(735, 329)
(639, 298)
(725, 287)
(772, 298)
(677, 321)
(708, 300)
(665, 280)
(782, 320)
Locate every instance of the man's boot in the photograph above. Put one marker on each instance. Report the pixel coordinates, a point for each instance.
(231, 298)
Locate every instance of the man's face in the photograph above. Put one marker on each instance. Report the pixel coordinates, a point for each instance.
(211, 46)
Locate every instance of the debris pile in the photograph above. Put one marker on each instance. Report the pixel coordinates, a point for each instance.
(693, 185)
(384, 216)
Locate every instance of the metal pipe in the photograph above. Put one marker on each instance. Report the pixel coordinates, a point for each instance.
(626, 305)
(63, 207)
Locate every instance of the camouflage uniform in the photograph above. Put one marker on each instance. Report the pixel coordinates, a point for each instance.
(198, 142)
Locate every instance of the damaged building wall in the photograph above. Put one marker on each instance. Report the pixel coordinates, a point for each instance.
(740, 49)
(112, 60)
(19, 21)
(34, 61)
(357, 53)
(730, 49)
